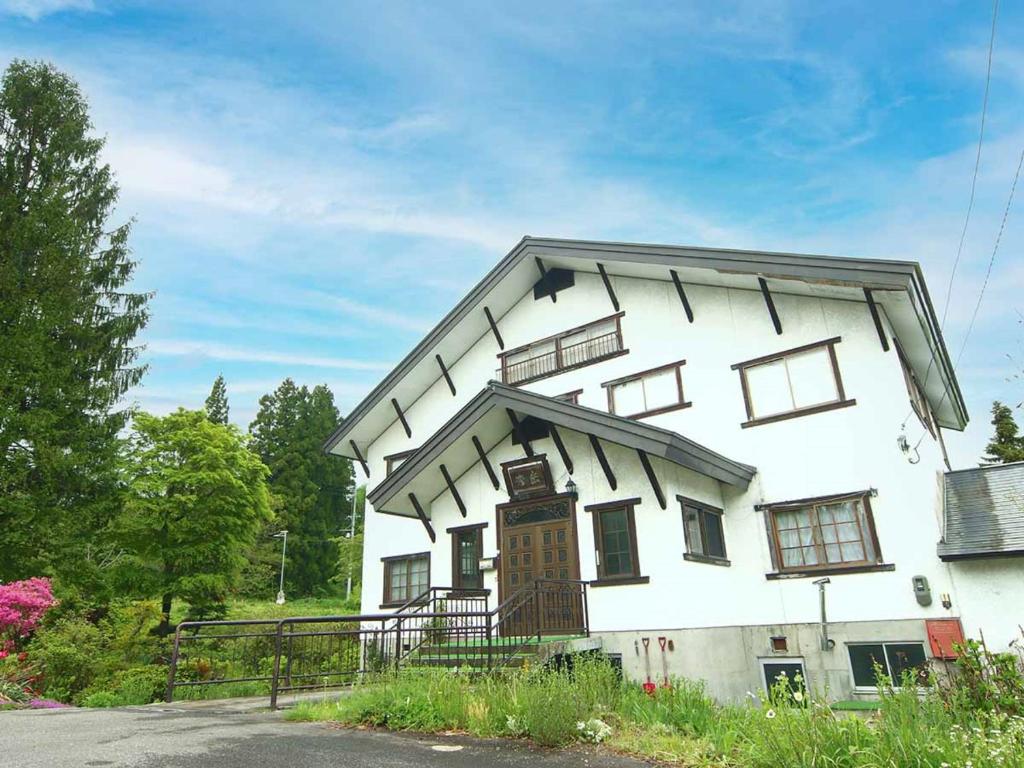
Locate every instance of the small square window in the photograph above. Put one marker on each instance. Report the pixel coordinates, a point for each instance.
(780, 644)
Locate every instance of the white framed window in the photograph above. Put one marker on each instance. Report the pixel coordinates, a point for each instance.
(795, 382)
(891, 659)
(647, 393)
(787, 669)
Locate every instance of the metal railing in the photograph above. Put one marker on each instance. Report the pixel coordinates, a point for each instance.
(560, 359)
(441, 627)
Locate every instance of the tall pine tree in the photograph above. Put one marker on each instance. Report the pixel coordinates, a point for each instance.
(312, 491)
(1006, 445)
(217, 402)
(68, 321)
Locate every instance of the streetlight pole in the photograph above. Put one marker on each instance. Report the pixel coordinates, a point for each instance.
(283, 535)
(351, 544)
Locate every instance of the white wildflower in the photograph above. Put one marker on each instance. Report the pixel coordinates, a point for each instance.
(770, 714)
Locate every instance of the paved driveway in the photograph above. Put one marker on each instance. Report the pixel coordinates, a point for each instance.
(211, 737)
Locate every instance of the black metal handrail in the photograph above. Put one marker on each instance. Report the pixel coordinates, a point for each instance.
(441, 626)
(561, 358)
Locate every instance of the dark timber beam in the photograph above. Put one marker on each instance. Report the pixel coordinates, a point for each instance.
(876, 318)
(494, 327)
(401, 417)
(608, 286)
(359, 456)
(422, 517)
(486, 462)
(518, 432)
(557, 439)
(682, 295)
(444, 372)
(770, 303)
(455, 492)
(653, 478)
(603, 461)
(544, 278)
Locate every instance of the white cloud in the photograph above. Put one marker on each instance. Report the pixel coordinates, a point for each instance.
(37, 9)
(216, 351)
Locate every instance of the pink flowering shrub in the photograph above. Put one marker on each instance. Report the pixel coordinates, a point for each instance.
(22, 606)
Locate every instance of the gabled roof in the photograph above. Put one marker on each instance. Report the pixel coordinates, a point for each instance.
(984, 512)
(487, 413)
(898, 286)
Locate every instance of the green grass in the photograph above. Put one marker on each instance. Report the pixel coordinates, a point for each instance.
(681, 725)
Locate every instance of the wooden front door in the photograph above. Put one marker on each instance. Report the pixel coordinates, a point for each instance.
(538, 550)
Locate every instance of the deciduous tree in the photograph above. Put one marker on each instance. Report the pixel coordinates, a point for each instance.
(197, 500)
(67, 328)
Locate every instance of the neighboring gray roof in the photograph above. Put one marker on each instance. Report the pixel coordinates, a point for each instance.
(984, 512)
(884, 276)
(655, 441)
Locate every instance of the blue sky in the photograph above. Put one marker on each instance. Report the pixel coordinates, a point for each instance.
(314, 184)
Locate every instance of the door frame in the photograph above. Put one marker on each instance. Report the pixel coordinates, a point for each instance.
(500, 530)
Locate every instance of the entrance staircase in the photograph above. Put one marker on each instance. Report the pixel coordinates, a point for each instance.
(447, 628)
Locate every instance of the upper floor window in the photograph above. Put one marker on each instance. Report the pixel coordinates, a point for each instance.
(918, 402)
(395, 460)
(574, 348)
(702, 528)
(792, 383)
(832, 533)
(647, 393)
(570, 397)
(405, 577)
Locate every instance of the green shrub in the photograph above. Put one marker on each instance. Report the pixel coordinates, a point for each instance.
(141, 685)
(101, 699)
(68, 653)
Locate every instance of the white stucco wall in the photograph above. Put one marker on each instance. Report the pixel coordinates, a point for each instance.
(837, 451)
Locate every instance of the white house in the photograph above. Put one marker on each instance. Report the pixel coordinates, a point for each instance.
(699, 436)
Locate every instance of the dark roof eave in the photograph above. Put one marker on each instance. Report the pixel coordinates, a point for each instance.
(878, 273)
(658, 442)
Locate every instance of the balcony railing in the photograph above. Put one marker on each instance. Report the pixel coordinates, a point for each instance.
(562, 358)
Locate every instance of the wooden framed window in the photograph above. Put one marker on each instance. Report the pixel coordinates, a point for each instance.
(467, 549)
(615, 547)
(395, 460)
(575, 348)
(405, 577)
(918, 402)
(648, 393)
(833, 533)
(892, 659)
(796, 382)
(570, 397)
(702, 528)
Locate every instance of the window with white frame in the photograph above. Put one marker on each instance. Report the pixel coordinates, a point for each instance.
(894, 660)
(792, 383)
(647, 393)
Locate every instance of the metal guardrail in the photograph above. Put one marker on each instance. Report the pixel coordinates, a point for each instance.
(442, 627)
(560, 359)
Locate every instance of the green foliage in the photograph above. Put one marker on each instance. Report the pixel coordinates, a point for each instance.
(312, 490)
(197, 500)
(67, 330)
(986, 681)
(350, 549)
(217, 402)
(1006, 445)
(68, 652)
(681, 724)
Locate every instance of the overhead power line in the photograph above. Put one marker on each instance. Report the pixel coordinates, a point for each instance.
(977, 163)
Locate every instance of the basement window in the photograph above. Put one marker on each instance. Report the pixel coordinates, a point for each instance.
(889, 659)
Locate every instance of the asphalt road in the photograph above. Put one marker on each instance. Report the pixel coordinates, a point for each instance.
(162, 737)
